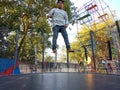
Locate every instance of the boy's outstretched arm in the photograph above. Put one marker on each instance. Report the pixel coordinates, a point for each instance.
(50, 14)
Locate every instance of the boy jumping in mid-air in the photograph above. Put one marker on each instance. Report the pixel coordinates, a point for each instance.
(60, 23)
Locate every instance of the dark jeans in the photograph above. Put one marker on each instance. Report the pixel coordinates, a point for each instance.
(63, 31)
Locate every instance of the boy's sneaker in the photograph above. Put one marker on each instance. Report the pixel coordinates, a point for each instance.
(70, 50)
(54, 50)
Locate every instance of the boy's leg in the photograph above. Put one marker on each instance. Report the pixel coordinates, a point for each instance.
(65, 36)
(54, 40)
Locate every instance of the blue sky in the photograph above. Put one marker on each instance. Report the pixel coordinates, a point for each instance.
(114, 5)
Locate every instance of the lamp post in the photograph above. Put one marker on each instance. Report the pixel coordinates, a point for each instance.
(68, 59)
(43, 50)
(16, 50)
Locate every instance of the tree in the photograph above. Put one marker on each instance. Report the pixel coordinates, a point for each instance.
(101, 36)
(29, 17)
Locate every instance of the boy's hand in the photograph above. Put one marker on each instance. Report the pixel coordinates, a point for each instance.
(50, 16)
(66, 25)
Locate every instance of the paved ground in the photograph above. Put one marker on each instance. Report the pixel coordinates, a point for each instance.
(60, 81)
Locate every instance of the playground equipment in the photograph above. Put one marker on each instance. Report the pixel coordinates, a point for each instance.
(7, 67)
(91, 14)
(94, 12)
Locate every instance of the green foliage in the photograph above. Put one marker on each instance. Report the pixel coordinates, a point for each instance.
(67, 5)
(29, 17)
(100, 39)
(49, 59)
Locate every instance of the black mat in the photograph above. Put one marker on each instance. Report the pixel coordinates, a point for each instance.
(60, 81)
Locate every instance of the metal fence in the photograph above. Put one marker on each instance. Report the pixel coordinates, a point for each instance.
(62, 67)
(48, 67)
